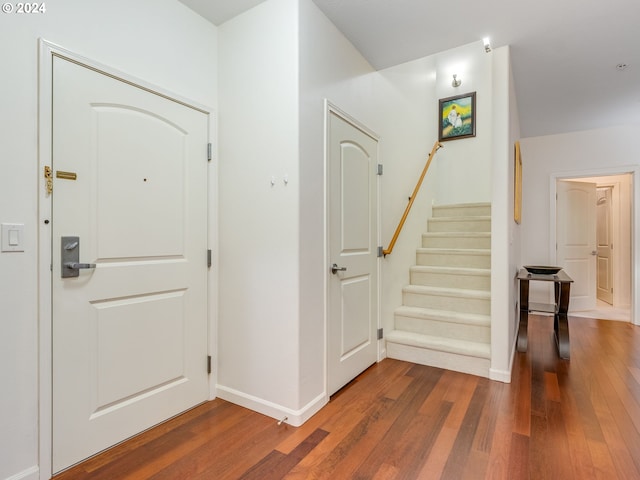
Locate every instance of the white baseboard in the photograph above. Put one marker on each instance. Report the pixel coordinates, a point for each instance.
(32, 473)
(504, 376)
(294, 418)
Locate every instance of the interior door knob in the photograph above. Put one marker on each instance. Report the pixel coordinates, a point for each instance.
(335, 269)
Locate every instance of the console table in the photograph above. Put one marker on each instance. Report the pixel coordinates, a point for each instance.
(561, 286)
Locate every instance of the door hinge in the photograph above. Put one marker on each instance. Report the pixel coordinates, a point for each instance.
(209, 155)
(379, 169)
(209, 364)
(380, 251)
(209, 258)
(380, 333)
(48, 176)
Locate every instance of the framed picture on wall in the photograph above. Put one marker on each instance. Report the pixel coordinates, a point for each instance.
(457, 117)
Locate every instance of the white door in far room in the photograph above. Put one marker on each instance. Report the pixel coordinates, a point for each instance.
(604, 238)
(130, 197)
(576, 240)
(353, 260)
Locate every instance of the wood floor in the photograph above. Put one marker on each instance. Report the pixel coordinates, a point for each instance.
(558, 419)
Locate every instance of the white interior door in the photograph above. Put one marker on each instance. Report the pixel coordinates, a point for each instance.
(353, 233)
(604, 241)
(130, 335)
(576, 240)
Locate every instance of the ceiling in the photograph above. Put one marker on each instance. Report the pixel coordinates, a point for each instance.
(564, 53)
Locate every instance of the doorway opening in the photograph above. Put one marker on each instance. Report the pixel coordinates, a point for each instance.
(608, 292)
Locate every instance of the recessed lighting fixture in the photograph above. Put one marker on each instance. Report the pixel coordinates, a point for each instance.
(622, 66)
(487, 44)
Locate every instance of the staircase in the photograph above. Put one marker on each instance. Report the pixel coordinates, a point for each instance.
(445, 318)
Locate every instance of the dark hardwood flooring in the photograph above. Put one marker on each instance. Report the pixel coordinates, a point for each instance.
(558, 419)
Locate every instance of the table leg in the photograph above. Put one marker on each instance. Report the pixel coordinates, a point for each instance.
(563, 300)
(524, 316)
(522, 331)
(562, 335)
(561, 319)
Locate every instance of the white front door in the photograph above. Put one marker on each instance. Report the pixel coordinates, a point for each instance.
(353, 234)
(604, 240)
(130, 334)
(576, 240)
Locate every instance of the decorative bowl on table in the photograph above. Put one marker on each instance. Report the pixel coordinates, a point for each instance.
(542, 269)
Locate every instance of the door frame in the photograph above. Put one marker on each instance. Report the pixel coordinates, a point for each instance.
(329, 109)
(634, 171)
(47, 50)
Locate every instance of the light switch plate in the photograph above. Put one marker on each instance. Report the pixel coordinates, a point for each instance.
(12, 237)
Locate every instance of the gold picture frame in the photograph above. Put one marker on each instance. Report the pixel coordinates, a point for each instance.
(517, 184)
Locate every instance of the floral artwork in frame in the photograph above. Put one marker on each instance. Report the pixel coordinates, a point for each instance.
(457, 117)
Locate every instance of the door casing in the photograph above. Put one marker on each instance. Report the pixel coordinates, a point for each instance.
(47, 51)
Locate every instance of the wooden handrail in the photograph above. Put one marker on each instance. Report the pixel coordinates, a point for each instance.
(389, 249)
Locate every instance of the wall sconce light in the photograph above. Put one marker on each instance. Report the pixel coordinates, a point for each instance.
(456, 83)
(487, 44)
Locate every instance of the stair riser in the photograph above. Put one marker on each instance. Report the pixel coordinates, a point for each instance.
(439, 259)
(467, 225)
(481, 306)
(446, 360)
(432, 279)
(458, 331)
(465, 211)
(451, 241)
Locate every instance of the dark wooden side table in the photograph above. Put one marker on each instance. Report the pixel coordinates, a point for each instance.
(561, 286)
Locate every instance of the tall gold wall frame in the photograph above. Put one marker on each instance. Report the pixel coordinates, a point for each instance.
(517, 184)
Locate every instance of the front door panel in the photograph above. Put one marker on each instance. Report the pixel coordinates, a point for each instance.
(130, 334)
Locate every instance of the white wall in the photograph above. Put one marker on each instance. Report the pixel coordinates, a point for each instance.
(330, 68)
(588, 153)
(259, 222)
(464, 175)
(177, 52)
(515, 230)
(505, 233)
